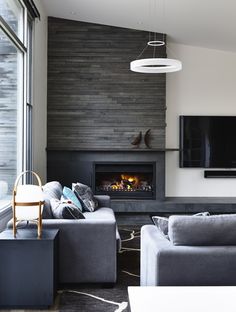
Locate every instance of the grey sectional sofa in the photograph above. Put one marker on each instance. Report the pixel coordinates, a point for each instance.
(87, 247)
(199, 252)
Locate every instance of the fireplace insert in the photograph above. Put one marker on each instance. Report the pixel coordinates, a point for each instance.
(125, 180)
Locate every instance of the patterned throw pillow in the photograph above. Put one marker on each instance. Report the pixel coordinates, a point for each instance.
(161, 223)
(62, 209)
(85, 195)
(70, 195)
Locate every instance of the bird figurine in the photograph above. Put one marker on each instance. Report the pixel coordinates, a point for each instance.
(147, 138)
(137, 140)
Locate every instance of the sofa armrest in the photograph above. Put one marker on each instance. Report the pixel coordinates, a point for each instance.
(164, 264)
(152, 242)
(103, 200)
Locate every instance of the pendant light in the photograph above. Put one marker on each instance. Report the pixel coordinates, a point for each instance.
(155, 65)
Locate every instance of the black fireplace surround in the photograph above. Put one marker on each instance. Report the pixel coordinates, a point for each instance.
(90, 167)
(122, 180)
(73, 166)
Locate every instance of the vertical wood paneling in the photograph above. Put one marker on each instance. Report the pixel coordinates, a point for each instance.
(94, 100)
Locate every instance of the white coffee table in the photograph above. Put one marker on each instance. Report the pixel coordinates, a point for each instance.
(182, 299)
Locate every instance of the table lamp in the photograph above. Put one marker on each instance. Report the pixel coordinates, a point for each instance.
(27, 203)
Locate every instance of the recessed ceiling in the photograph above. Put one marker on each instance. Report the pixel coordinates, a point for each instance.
(205, 23)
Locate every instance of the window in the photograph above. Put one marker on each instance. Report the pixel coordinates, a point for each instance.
(11, 96)
(16, 29)
(12, 12)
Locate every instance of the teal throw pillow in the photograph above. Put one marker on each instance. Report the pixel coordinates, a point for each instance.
(70, 195)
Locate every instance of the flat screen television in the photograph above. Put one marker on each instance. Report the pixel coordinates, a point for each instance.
(208, 141)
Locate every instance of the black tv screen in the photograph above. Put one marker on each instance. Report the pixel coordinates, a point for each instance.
(208, 141)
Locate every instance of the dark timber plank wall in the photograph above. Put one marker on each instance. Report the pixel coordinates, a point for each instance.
(94, 100)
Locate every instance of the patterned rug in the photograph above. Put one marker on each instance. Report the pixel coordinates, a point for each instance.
(86, 298)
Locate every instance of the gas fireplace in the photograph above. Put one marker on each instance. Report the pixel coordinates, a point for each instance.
(125, 180)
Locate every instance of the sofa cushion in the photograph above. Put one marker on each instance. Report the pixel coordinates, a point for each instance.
(65, 210)
(216, 230)
(69, 194)
(50, 190)
(105, 214)
(162, 222)
(85, 195)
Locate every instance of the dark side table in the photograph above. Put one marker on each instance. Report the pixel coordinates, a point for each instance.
(28, 268)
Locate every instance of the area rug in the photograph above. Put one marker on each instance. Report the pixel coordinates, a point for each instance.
(91, 298)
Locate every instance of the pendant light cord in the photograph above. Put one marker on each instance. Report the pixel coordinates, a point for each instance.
(156, 65)
(154, 50)
(142, 52)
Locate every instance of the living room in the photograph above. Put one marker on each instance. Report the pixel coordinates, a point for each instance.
(125, 142)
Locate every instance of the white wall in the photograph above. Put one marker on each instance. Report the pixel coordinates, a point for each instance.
(40, 94)
(205, 86)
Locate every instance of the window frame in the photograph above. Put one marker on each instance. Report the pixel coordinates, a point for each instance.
(24, 118)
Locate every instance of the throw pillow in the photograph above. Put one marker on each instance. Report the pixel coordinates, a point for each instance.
(50, 190)
(65, 210)
(216, 230)
(85, 195)
(70, 195)
(163, 222)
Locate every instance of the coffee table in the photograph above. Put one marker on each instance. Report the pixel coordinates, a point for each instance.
(182, 299)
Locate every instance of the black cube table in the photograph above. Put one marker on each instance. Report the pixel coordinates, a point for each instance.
(28, 268)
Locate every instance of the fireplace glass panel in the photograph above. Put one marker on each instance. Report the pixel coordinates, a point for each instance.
(132, 181)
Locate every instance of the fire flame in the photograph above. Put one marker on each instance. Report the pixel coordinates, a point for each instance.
(115, 187)
(126, 182)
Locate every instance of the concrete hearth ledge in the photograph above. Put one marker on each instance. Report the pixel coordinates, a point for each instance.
(177, 205)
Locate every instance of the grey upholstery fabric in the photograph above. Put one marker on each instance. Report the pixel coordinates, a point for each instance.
(164, 264)
(87, 249)
(103, 200)
(215, 230)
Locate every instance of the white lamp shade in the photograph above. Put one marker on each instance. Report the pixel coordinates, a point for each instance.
(155, 65)
(27, 194)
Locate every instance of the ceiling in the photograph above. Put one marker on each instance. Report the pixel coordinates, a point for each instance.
(204, 23)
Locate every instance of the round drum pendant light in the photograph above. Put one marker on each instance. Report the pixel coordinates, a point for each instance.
(155, 65)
